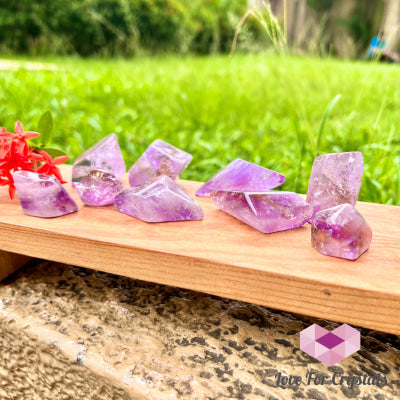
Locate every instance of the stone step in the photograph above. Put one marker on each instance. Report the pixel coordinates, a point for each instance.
(73, 333)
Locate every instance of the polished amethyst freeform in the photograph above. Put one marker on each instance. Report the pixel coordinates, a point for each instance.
(99, 188)
(105, 156)
(340, 231)
(335, 179)
(268, 212)
(42, 195)
(160, 158)
(242, 176)
(160, 200)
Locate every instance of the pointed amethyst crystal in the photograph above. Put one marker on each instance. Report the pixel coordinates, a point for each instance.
(42, 195)
(99, 188)
(268, 212)
(340, 231)
(160, 200)
(242, 176)
(160, 158)
(105, 155)
(335, 179)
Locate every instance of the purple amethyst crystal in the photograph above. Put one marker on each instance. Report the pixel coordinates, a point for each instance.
(160, 200)
(160, 158)
(105, 156)
(242, 176)
(340, 231)
(335, 179)
(99, 188)
(42, 195)
(268, 212)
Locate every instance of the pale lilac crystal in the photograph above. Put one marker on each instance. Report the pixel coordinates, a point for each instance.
(242, 176)
(105, 155)
(160, 200)
(268, 212)
(42, 195)
(335, 179)
(340, 231)
(99, 188)
(160, 158)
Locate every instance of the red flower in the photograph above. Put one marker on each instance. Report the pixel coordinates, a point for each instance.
(49, 167)
(19, 131)
(7, 179)
(4, 134)
(16, 155)
(21, 137)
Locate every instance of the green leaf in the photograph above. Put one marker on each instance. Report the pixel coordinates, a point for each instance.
(54, 151)
(45, 127)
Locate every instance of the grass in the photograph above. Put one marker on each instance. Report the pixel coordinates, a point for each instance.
(279, 112)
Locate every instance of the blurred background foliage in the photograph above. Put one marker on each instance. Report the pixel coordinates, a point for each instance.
(136, 27)
(121, 27)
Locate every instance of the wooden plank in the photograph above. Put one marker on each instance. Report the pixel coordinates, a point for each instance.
(222, 256)
(11, 262)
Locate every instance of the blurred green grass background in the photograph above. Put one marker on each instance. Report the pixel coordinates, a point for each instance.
(262, 108)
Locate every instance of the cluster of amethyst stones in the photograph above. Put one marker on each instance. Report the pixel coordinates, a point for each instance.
(241, 189)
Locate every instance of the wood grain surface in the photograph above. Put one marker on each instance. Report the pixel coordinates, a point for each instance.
(222, 256)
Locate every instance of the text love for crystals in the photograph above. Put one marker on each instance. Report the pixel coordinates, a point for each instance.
(338, 379)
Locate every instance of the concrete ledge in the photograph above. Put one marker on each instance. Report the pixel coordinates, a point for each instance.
(72, 333)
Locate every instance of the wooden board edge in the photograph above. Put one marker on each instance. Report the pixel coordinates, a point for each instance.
(360, 307)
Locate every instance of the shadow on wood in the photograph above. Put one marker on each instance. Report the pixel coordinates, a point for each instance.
(10, 262)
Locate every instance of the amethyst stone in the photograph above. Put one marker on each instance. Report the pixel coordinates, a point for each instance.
(105, 155)
(242, 176)
(268, 212)
(335, 179)
(99, 188)
(42, 195)
(340, 231)
(160, 158)
(160, 200)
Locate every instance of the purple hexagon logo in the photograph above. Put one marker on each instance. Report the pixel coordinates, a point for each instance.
(330, 347)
